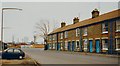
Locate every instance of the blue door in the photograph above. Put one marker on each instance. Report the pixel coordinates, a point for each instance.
(97, 46)
(91, 43)
(58, 46)
(73, 45)
(68, 46)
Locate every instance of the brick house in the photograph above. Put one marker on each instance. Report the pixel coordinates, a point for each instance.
(98, 34)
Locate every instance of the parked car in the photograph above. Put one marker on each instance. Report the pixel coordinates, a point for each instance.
(13, 53)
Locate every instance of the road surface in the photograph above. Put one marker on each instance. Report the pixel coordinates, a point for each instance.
(58, 57)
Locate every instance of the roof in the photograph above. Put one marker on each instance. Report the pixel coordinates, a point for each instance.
(106, 16)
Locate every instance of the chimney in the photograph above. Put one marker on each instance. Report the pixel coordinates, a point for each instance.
(95, 13)
(75, 20)
(63, 24)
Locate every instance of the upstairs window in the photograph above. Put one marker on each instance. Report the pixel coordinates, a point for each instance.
(66, 34)
(61, 35)
(105, 44)
(54, 37)
(77, 32)
(50, 38)
(118, 25)
(85, 32)
(105, 27)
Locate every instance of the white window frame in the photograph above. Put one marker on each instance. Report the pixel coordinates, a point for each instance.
(61, 46)
(117, 30)
(61, 35)
(53, 37)
(103, 45)
(66, 44)
(77, 32)
(103, 27)
(76, 44)
(85, 44)
(50, 47)
(66, 34)
(50, 37)
(117, 43)
(53, 45)
(85, 31)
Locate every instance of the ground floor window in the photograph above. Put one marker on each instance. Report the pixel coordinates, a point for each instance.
(56, 46)
(66, 45)
(118, 44)
(77, 44)
(105, 44)
(53, 46)
(61, 45)
(85, 44)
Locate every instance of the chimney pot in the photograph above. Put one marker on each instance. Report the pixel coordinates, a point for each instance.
(75, 20)
(95, 13)
(63, 24)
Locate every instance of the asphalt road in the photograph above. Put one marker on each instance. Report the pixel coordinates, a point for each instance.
(57, 57)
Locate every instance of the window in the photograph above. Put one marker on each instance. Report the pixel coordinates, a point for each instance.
(105, 44)
(77, 32)
(54, 37)
(50, 38)
(66, 34)
(118, 44)
(61, 35)
(66, 45)
(77, 44)
(85, 32)
(50, 46)
(105, 27)
(61, 45)
(16, 51)
(85, 44)
(10, 50)
(53, 46)
(118, 25)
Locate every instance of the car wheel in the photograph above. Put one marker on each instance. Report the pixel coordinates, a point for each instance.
(20, 57)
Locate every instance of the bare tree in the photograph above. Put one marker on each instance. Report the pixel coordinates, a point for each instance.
(43, 29)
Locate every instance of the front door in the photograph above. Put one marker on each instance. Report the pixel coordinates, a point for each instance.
(69, 46)
(58, 46)
(97, 46)
(73, 45)
(91, 43)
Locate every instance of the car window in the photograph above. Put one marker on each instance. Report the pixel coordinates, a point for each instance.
(16, 51)
(10, 50)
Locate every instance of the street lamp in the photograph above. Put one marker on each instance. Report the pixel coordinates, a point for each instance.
(2, 44)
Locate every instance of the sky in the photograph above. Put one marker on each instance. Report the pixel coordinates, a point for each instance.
(20, 25)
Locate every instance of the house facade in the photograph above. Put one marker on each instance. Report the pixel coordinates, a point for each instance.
(98, 34)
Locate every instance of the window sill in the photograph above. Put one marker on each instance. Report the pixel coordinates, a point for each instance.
(105, 49)
(85, 35)
(117, 31)
(117, 49)
(105, 32)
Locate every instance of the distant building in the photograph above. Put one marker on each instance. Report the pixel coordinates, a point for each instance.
(98, 34)
(3, 46)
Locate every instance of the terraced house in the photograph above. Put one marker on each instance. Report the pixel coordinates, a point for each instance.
(98, 34)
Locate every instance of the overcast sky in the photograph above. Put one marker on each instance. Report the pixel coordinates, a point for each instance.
(21, 24)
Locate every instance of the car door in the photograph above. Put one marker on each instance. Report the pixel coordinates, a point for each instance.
(16, 53)
(9, 54)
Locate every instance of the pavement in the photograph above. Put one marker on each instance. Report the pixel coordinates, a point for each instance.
(90, 54)
(27, 61)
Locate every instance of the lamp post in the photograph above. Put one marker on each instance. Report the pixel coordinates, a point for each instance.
(2, 44)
